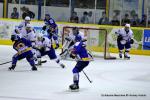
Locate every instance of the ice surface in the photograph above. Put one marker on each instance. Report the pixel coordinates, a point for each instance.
(50, 82)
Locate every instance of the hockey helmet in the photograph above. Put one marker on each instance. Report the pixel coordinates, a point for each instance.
(47, 16)
(15, 37)
(27, 18)
(127, 25)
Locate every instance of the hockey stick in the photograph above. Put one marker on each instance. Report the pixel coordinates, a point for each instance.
(86, 76)
(5, 62)
(44, 61)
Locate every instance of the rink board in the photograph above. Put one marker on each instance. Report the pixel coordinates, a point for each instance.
(7, 26)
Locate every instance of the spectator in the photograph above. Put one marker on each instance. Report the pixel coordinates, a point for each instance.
(115, 20)
(85, 18)
(90, 17)
(15, 14)
(27, 12)
(30, 13)
(126, 20)
(103, 20)
(24, 12)
(143, 21)
(135, 21)
(74, 18)
(13, 1)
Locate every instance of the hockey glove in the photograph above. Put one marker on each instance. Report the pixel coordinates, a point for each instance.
(57, 46)
(42, 49)
(84, 40)
(44, 28)
(119, 38)
(131, 41)
(73, 56)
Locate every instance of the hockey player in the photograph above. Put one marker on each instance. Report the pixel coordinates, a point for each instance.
(17, 32)
(79, 51)
(124, 40)
(23, 48)
(24, 23)
(51, 28)
(29, 34)
(44, 45)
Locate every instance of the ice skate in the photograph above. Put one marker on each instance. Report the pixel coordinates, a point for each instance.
(62, 65)
(12, 67)
(34, 68)
(74, 87)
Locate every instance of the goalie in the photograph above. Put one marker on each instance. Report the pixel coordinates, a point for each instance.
(124, 40)
(70, 40)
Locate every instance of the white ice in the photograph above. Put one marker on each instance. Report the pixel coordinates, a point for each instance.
(50, 82)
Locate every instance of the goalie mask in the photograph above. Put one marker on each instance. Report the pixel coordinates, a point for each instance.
(75, 31)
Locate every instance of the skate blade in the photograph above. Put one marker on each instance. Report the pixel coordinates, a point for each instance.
(76, 90)
(126, 58)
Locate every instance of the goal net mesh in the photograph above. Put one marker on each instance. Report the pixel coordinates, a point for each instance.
(97, 40)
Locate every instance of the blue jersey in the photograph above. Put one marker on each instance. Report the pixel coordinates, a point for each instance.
(22, 45)
(50, 22)
(80, 50)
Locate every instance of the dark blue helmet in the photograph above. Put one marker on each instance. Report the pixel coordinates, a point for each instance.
(78, 38)
(47, 15)
(15, 37)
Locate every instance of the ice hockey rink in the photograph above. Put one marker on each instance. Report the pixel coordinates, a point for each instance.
(112, 80)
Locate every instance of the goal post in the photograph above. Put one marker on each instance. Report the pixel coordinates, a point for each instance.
(97, 40)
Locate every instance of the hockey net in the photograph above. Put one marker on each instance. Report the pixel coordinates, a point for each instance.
(97, 40)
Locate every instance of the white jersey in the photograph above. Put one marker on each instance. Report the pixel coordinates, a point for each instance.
(126, 36)
(82, 35)
(22, 24)
(17, 34)
(29, 35)
(46, 43)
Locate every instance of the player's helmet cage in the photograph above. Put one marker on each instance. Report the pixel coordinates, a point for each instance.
(15, 37)
(28, 26)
